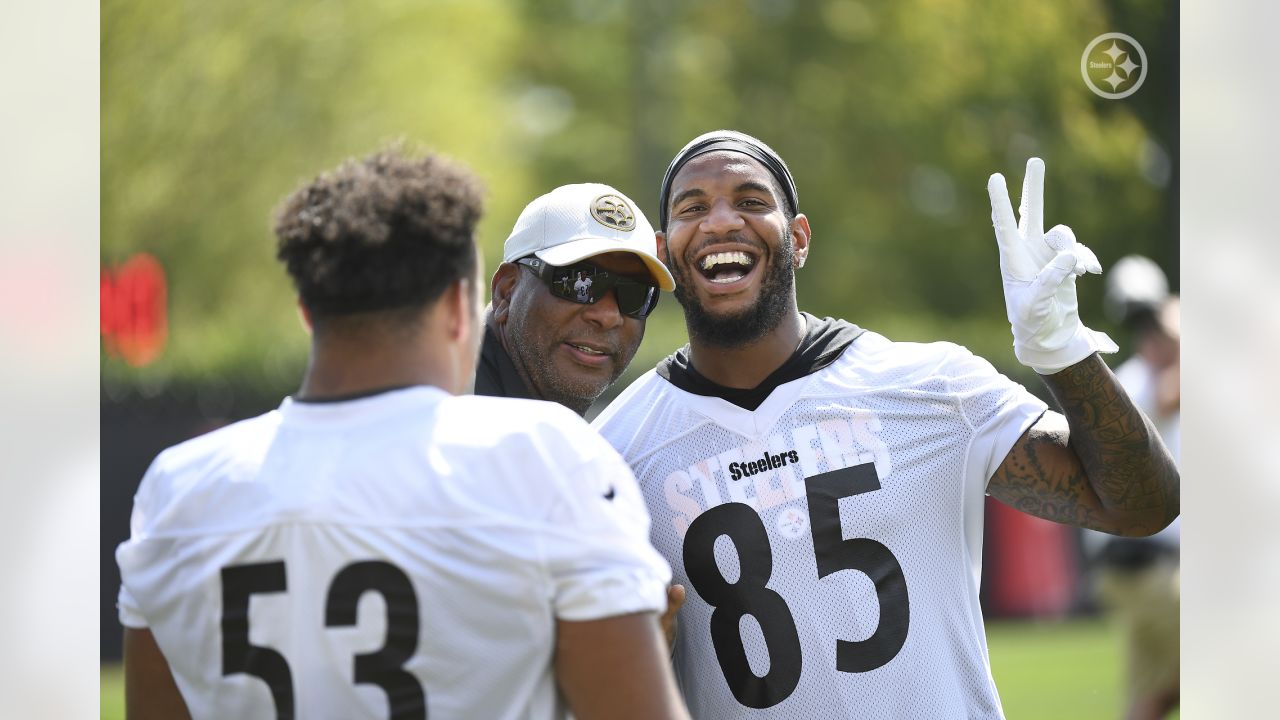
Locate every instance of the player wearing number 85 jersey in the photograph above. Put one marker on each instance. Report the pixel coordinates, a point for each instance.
(820, 488)
(378, 547)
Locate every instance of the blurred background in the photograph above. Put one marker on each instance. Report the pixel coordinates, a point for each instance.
(891, 114)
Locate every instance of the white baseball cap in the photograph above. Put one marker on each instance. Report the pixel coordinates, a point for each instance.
(575, 222)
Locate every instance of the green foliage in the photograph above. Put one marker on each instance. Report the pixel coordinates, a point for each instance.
(212, 113)
(891, 114)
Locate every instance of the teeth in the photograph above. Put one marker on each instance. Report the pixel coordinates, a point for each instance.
(736, 257)
(587, 350)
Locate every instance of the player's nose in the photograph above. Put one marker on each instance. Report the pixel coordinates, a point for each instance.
(722, 218)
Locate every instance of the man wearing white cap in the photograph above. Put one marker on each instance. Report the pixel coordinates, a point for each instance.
(579, 275)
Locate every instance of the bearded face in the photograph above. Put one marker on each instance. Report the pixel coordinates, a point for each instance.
(740, 326)
(730, 248)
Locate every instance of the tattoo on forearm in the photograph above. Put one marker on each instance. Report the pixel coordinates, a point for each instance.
(1118, 476)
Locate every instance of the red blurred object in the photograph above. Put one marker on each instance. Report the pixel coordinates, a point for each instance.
(134, 316)
(1030, 564)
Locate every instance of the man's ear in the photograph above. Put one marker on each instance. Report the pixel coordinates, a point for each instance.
(800, 237)
(661, 250)
(502, 287)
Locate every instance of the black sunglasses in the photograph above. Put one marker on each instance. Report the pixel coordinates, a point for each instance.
(586, 283)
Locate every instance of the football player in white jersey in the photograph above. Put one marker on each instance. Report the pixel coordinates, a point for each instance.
(819, 488)
(378, 547)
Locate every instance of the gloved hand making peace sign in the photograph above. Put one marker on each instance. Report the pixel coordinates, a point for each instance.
(1039, 270)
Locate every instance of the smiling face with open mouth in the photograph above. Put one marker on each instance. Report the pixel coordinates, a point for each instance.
(731, 249)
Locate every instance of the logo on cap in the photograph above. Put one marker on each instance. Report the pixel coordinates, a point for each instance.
(612, 211)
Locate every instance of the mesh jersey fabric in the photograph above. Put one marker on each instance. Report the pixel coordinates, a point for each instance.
(892, 445)
(500, 516)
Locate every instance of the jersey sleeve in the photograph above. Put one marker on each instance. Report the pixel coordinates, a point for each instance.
(130, 612)
(998, 409)
(596, 546)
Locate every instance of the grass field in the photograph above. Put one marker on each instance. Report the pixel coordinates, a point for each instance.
(1045, 671)
(1057, 670)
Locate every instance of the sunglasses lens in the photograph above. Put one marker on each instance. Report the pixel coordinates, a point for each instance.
(584, 285)
(637, 300)
(587, 284)
(566, 283)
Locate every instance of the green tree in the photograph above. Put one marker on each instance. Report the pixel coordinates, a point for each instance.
(891, 113)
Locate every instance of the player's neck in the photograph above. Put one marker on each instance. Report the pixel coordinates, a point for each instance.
(341, 368)
(747, 366)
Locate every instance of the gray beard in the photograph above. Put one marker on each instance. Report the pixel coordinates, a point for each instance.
(750, 325)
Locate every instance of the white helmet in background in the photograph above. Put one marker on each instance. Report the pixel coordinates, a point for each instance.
(1134, 284)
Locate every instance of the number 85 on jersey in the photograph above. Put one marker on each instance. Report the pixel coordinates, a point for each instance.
(751, 596)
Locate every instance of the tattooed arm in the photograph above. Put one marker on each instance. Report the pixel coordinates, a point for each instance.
(1102, 466)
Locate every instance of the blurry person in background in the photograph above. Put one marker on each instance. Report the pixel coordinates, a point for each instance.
(505, 542)
(1137, 579)
(579, 275)
(1137, 297)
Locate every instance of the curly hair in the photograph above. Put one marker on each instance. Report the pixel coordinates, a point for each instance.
(389, 231)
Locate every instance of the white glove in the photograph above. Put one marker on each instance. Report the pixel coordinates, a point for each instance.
(1039, 271)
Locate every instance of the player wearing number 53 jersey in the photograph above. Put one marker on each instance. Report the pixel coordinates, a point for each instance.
(819, 488)
(378, 547)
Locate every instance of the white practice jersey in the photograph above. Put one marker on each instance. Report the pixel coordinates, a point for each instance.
(402, 555)
(830, 539)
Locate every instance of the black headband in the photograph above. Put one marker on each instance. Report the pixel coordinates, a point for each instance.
(732, 141)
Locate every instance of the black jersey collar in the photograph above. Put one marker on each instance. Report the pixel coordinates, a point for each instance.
(824, 341)
(496, 374)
